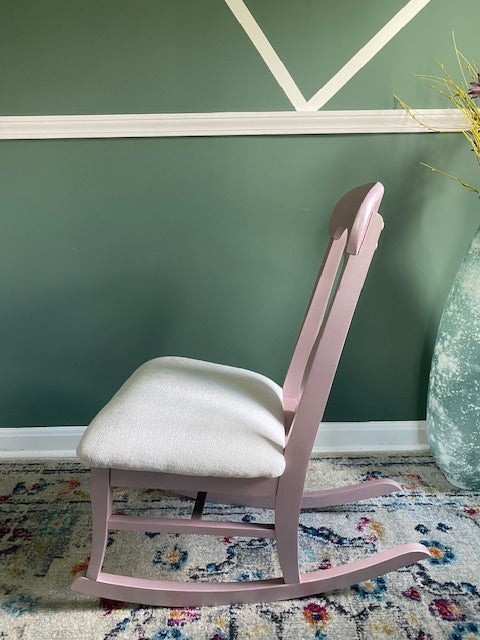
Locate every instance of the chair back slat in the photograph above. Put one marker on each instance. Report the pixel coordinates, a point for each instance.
(355, 226)
(312, 324)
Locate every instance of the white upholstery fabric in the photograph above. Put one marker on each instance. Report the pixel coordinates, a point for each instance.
(190, 417)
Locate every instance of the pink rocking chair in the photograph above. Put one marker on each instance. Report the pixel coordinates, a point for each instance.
(235, 436)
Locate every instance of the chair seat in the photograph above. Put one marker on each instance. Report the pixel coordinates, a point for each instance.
(189, 417)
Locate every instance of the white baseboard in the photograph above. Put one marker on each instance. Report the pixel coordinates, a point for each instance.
(372, 437)
(39, 442)
(332, 438)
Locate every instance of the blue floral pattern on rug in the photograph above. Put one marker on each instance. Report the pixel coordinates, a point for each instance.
(374, 589)
(440, 553)
(172, 557)
(45, 542)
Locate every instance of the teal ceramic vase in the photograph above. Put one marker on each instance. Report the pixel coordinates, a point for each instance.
(453, 408)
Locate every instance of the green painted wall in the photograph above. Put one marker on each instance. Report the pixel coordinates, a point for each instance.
(115, 251)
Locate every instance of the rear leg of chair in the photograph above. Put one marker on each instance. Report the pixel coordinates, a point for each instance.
(101, 498)
(287, 514)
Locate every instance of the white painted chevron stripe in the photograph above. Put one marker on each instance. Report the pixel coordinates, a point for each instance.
(366, 53)
(268, 53)
(346, 73)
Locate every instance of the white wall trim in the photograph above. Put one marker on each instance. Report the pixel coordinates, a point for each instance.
(333, 437)
(39, 442)
(144, 125)
(372, 437)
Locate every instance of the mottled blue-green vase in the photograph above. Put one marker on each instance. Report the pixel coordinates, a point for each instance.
(453, 408)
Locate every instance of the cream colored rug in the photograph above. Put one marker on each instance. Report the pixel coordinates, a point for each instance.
(45, 539)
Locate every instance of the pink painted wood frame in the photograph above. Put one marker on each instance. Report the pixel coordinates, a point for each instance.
(354, 229)
(186, 594)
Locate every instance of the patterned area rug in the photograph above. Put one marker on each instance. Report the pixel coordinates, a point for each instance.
(45, 539)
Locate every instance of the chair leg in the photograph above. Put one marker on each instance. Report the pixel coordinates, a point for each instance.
(287, 514)
(101, 498)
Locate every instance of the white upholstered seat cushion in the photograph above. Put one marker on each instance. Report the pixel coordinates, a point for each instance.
(189, 417)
